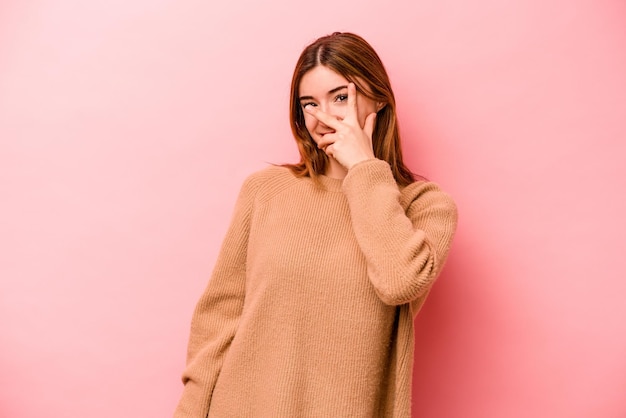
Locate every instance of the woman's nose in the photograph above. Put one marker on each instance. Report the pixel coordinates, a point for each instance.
(332, 111)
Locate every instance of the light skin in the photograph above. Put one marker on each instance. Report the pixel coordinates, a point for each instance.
(339, 120)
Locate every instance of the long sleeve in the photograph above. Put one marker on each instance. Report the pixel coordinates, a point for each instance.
(404, 234)
(217, 313)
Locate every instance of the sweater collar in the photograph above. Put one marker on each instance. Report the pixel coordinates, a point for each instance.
(331, 184)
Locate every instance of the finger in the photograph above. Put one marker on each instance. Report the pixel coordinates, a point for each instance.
(330, 150)
(369, 125)
(323, 117)
(327, 140)
(352, 106)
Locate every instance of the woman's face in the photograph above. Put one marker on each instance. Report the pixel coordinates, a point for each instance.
(328, 91)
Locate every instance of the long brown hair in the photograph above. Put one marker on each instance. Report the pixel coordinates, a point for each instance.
(352, 57)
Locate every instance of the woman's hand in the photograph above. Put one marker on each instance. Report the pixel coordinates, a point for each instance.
(350, 143)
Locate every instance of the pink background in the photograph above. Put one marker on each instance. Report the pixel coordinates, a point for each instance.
(126, 129)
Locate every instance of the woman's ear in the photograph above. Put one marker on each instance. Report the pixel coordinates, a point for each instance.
(379, 106)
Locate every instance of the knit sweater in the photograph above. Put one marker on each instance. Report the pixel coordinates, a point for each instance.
(309, 310)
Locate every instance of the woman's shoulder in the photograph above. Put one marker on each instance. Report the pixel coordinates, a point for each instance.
(269, 181)
(423, 194)
(271, 175)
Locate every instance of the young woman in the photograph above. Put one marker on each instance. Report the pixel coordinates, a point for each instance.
(309, 311)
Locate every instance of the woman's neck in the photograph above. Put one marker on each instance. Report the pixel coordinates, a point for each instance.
(335, 170)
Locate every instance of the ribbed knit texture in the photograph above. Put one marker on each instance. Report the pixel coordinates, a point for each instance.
(309, 311)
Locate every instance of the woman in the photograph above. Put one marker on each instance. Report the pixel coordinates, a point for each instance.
(309, 311)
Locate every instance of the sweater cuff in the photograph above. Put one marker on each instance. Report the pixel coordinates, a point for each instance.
(367, 174)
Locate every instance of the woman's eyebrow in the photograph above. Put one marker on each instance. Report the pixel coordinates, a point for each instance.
(336, 89)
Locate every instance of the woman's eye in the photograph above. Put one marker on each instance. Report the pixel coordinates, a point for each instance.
(304, 105)
(342, 98)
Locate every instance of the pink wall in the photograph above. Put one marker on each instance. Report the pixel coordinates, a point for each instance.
(126, 129)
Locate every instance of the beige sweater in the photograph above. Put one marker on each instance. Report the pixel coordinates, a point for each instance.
(309, 311)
